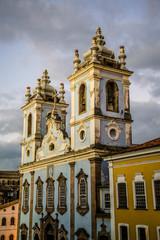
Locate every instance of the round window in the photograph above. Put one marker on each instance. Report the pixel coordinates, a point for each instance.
(51, 147)
(113, 133)
(28, 153)
(82, 135)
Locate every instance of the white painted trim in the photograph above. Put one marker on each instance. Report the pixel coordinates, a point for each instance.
(158, 233)
(156, 177)
(142, 226)
(111, 182)
(119, 232)
(137, 163)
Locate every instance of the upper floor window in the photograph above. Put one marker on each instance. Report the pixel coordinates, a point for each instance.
(25, 207)
(82, 206)
(139, 192)
(121, 192)
(122, 195)
(50, 195)
(12, 221)
(156, 189)
(39, 196)
(62, 206)
(107, 201)
(82, 98)
(111, 96)
(3, 221)
(13, 207)
(29, 133)
(157, 194)
(11, 237)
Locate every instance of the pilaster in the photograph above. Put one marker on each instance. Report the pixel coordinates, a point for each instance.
(72, 200)
(31, 205)
(95, 169)
(20, 205)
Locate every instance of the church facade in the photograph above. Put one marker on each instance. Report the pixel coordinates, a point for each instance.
(64, 182)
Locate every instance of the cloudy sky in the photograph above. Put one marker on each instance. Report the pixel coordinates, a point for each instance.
(40, 34)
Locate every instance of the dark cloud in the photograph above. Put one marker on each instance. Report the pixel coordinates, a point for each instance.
(10, 155)
(146, 123)
(11, 121)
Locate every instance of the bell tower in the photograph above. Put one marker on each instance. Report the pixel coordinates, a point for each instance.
(36, 109)
(100, 105)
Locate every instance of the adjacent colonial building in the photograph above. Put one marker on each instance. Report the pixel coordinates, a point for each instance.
(135, 192)
(9, 186)
(64, 191)
(9, 220)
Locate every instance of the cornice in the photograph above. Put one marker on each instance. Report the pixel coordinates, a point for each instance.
(101, 117)
(67, 158)
(154, 151)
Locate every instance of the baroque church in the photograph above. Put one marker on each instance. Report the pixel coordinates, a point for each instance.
(64, 182)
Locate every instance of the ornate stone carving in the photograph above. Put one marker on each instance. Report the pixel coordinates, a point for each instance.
(82, 132)
(113, 130)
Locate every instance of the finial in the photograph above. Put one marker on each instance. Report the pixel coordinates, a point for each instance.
(122, 58)
(99, 37)
(76, 61)
(28, 95)
(38, 96)
(61, 93)
(45, 77)
(94, 50)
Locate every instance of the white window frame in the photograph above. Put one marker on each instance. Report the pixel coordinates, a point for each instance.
(107, 201)
(142, 226)
(121, 179)
(119, 232)
(156, 177)
(139, 178)
(158, 230)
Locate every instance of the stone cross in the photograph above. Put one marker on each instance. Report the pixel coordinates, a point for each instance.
(54, 96)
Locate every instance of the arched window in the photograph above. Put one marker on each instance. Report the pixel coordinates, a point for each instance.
(82, 98)
(82, 206)
(39, 196)
(36, 237)
(12, 221)
(11, 237)
(50, 194)
(62, 206)
(2, 237)
(29, 125)
(25, 207)
(111, 96)
(3, 221)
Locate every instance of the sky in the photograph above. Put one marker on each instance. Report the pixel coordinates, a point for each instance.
(40, 34)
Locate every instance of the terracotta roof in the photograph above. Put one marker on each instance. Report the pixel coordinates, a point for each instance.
(9, 204)
(149, 144)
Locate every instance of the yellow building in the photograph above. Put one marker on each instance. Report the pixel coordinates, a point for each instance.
(135, 192)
